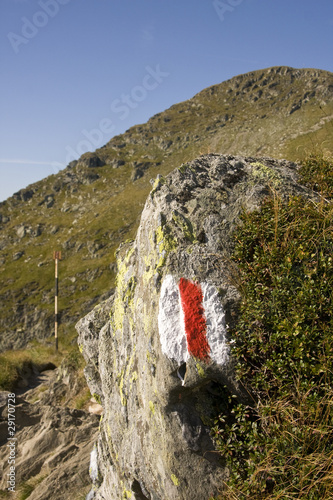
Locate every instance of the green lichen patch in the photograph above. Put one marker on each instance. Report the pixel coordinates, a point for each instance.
(129, 291)
(152, 407)
(165, 240)
(261, 172)
(120, 379)
(163, 243)
(175, 479)
(159, 181)
(97, 398)
(200, 369)
(184, 225)
(125, 380)
(124, 291)
(182, 168)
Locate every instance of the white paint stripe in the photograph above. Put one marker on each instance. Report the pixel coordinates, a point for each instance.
(182, 326)
(215, 321)
(171, 323)
(172, 328)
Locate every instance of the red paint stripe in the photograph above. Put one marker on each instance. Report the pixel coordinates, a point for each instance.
(194, 317)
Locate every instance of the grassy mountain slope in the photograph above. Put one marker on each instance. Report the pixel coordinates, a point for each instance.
(94, 204)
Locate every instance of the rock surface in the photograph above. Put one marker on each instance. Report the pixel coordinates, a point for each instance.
(154, 442)
(53, 441)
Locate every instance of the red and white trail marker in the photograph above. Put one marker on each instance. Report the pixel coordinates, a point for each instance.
(191, 321)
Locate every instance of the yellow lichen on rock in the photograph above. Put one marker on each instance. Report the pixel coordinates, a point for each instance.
(124, 289)
(261, 172)
(152, 407)
(175, 480)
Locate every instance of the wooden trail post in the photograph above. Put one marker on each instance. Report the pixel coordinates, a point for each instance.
(56, 257)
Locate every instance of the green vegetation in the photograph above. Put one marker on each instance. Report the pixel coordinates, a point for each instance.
(27, 487)
(280, 446)
(82, 399)
(317, 173)
(26, 490)
(15, 365)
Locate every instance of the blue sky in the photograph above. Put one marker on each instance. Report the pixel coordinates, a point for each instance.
(77, 72)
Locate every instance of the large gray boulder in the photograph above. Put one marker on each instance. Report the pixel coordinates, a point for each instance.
(159, 350)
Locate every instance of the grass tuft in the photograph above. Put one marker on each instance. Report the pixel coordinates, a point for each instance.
(15, 365)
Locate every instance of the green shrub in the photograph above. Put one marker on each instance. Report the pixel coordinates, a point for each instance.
(281, 446)
(286, 263)
(317, 172)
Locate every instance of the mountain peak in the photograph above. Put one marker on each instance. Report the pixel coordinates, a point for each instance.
(90, 207)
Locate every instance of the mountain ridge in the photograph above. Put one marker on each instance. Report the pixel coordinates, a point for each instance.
(90, 207)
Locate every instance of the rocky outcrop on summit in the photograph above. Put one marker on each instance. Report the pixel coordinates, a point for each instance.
(150, 363)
